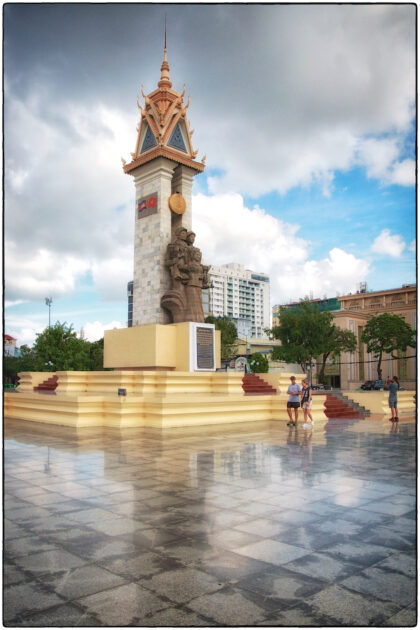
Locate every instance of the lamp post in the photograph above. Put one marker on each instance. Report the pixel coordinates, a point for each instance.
(48, 302)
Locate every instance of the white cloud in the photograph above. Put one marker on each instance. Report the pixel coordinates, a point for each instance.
(380, 157)
(228, 231)
(81, 218)
(41, 274)
(95, 330)
(315, 98)
(23, 329)
(412, 246)
(404, 173)
(388, 244)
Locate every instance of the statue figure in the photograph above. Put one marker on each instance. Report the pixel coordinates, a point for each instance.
(189, 277)
(177, 259)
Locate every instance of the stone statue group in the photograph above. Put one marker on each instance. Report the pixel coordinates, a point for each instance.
(189, 277)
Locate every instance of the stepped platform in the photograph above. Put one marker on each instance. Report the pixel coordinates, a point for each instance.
(157, 399)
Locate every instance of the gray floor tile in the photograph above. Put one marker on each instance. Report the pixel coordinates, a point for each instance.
(193, 527)
(229, 608)
(383, 583)
(174, 618)
(271, 551)
(24, 546)
(22, 598)
(362, 553)
(123, 605)
(66, 615)
(321, 565)
(346, 608)
(400, 562)
(52, 561)
(182, 585)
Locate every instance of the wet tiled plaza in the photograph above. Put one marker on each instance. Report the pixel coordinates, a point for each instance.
(246, 525)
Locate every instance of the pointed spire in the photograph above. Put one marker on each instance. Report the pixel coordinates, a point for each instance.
(165, 81)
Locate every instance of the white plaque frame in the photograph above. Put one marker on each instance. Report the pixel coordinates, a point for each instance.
(193, 347)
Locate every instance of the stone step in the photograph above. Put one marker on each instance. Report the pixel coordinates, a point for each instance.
(253, 384)
(49, 385)
(336, 408)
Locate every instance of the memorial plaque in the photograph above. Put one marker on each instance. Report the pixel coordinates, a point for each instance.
(205, 348)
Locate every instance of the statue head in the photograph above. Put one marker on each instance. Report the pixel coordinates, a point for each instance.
(191, 238)
(181, 233)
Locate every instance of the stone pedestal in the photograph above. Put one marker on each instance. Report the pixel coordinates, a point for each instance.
(183, 347)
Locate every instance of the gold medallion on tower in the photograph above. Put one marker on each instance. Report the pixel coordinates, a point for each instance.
(177, 203)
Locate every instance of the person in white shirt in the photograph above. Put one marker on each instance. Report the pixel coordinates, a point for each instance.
(294, 401)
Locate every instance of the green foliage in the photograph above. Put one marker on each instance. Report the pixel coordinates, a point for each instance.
(96, 352)
(258, 363)
(229, 335)
(386, 333)
(303, 333)
(58, 348)
(10, 369)
(336, 341)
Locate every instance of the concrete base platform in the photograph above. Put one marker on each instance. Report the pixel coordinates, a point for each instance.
(154, 399)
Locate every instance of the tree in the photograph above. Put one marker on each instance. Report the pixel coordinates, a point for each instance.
(386, 333)
(303, 332)
(58, 348)
(339, 340)
(96, 352)
(229, 335)
(258, 363)
(306, 332)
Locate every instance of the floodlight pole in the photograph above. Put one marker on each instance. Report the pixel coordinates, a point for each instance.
(48, 302)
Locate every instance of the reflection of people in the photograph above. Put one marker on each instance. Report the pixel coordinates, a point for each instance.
(306, 402)
(294, 401)
(393, 387)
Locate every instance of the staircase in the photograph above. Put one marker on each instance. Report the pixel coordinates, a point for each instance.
(336, 408)
(254, 385)
(363, 411)
(47, 386)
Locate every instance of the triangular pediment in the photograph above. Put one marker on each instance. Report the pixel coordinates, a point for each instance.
(149, 140)
(176, 141)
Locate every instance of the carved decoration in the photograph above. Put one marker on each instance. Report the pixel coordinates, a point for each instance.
(164, 116)
(189, 277)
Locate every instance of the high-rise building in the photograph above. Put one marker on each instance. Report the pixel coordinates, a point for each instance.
(241, 294)
(130, 303)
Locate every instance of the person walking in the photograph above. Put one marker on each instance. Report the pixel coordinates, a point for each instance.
(294, 401)
(392, 386)
(306, 402)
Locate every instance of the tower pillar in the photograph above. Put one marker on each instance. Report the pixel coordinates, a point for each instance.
(152, 233)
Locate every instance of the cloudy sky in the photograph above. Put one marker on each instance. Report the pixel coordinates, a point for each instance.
(306, 114)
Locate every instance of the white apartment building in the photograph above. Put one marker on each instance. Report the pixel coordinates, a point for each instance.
(240, 294)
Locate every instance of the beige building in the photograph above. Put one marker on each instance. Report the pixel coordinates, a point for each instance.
(352, 312)
(355, 311)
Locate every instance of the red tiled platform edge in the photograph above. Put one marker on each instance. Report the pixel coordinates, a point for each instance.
(253, 384)
(49, 385)
(335, 408)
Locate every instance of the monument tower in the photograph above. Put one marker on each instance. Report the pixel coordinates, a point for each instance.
(163, 166)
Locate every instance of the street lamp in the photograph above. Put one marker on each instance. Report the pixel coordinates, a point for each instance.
(48, 302)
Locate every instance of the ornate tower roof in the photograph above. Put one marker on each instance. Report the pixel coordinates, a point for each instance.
(164, 130)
